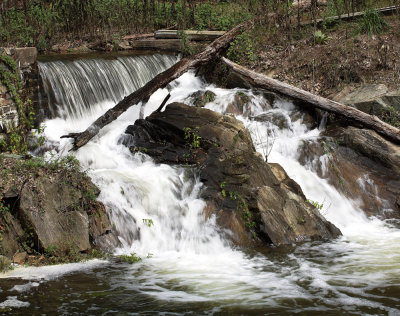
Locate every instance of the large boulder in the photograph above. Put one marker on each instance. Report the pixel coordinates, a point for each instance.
(361, 164)
(256, 201)
(366, 167)
(367, 98)
(392, 99)
(50, 208)
(373, 99)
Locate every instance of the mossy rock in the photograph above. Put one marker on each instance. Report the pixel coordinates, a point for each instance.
(201, 98)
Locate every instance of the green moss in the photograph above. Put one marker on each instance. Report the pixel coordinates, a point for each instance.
(132, 258)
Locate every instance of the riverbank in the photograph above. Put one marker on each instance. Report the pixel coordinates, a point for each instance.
(49, 212)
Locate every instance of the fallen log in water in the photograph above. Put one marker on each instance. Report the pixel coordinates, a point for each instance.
(212, 51)
(258, 80)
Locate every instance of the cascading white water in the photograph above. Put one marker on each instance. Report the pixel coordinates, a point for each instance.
(76, 87)
(186, 260)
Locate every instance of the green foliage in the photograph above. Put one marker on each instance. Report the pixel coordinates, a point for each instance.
(238, 135)
(192, 137)
(372, 23)
(320, 38)
(186, 48)
(300, 220)
(16, 137)
(391, 116)
(242, 207)
(56, 255)
(220, 17)
(132, 258)
(317, 205)
(51, 250)
(149, 222)
(208, 97)
(222, 187)
(330, 24)
(3, 207)
(43, 22)
(246, 214)
(5, 264)
(68, 162)
(242, 49)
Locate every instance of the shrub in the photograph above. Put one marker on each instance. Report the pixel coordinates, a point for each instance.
(372, 23)
(242, 49)
(132, 258)
(320, 38)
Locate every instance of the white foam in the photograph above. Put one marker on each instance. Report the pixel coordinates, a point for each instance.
(24, 287)
(52, 272)
(189, 251)
(13, 302)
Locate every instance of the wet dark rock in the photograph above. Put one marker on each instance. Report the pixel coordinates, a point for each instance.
(362, 165)
(275, 117)
(201, 98)
(256, 201)
(239, 105)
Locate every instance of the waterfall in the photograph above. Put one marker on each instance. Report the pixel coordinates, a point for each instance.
(185, 259)
(75, 87)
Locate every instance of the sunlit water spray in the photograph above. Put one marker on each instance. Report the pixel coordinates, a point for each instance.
(185, 257)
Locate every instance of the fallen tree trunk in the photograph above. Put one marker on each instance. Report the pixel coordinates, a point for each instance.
(161, 80)
(258, 80)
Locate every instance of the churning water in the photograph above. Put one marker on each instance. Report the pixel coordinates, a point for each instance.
(187, 267)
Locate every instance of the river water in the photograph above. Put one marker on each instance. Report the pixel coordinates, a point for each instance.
(186, 266)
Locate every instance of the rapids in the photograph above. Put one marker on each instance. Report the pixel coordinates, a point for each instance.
(187, 267)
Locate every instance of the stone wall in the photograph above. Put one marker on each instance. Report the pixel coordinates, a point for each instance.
(28, 71)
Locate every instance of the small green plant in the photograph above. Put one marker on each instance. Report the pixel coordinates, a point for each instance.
(238, 135)
(372, 23)
(192, 137)
(149, 222)
(5, 264)
(320, 38)
(242, 49)
(16, 136)
(186, 48)
(3, 207)
(143, 149)
(391, 116)
(301, 220)
(222, 187)
(132, 258)
(246, 214)
(51, 250)
(317, 205)
(329, 24)
(233, 195)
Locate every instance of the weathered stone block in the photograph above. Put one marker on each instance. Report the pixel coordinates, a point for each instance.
(25, 56)
(392, 99)
(367, 98)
